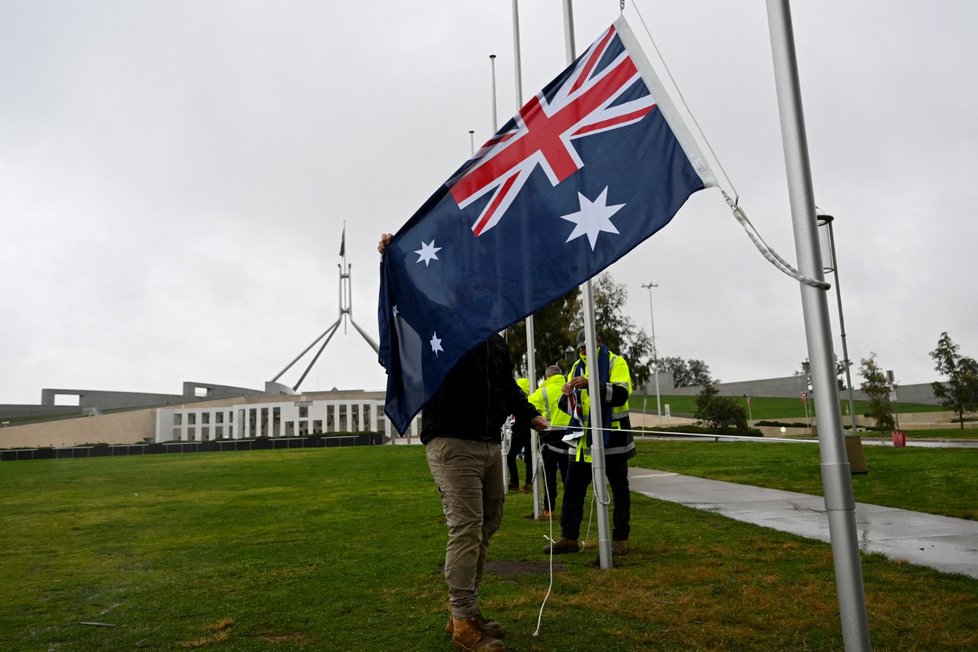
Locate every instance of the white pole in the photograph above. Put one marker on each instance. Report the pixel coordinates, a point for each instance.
(827, 221)
(655, 354)
(535, 462)
(504, 449)
(492, 65)
(836, 475)
(597, 434)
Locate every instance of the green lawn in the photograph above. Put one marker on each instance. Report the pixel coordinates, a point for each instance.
(934, 480)
(340, 549)
(771, 408)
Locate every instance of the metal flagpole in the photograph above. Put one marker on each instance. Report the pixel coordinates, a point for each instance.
(504, 449)
(597, 434)
(655, 357)
(346, 314)
(492, 65)
(531, 374)
(836, 477)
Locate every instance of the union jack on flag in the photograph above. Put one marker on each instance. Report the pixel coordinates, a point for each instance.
(591, 166)
(582, 103)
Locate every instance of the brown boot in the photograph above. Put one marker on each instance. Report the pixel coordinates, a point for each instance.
(563, 546)
(490, 627)
(467, 634)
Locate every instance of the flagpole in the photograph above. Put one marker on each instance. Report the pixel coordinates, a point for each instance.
(836, 474)
(504, 450)
(492, 65)
(597, 434)
(531, 373)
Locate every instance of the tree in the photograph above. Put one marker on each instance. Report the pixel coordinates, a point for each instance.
(555, 328)
(558, 329)
(840, 372)
(720, 413)
(553, 332)
(687, 373)
(617, 329)
(960, 393)
(877, 389)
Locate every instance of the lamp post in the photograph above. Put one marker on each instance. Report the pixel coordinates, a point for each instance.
(825, 225)
(655, 355)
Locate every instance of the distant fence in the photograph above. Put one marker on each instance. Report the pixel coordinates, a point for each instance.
(333, 441)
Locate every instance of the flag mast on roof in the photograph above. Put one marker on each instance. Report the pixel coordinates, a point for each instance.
(346, 314)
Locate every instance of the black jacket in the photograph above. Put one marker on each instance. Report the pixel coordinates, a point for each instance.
(476, 397)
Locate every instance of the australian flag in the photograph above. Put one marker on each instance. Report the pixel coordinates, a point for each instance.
(591, 166)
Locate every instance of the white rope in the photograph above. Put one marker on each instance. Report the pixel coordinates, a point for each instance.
(752, 233)
(549, 537)
(766, 251)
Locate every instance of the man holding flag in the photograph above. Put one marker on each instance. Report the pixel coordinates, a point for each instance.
(590, 167)
(461, 429)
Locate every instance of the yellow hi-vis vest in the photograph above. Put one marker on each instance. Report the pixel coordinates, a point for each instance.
(618, 375)
(545, 400)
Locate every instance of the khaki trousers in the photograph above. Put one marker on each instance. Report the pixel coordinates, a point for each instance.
(469, 477)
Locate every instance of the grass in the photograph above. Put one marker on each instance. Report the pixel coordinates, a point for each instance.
(340, 549)
(933, 480)
(771, 408)
(942, 433)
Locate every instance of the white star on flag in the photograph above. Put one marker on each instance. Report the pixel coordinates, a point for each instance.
(427, 252)
(435, 343)
(593, 218)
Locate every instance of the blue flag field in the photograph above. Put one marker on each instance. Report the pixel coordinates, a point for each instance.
(590, 167)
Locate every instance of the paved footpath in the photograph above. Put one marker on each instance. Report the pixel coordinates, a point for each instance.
(947, 544)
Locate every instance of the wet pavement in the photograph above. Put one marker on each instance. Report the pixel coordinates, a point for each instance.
(947, 544)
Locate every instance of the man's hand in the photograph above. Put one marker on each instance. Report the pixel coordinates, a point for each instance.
(539, 424)
(385, 239)
(577, 382)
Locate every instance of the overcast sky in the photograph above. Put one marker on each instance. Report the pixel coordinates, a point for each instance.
(175, 175)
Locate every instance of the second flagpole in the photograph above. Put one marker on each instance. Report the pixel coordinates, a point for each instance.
(531, 374)
(597, 435)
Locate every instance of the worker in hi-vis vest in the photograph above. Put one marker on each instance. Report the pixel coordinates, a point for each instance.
(615, 388)
(554, 449)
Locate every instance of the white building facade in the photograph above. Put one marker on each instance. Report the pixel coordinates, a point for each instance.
(281, 417)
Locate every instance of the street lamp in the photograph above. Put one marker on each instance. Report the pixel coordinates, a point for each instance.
(655, 354)
(831, 265)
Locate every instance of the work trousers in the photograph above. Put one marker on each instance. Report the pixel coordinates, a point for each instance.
(553, 461)
(469, 477)
(520, 442)
(575, 489)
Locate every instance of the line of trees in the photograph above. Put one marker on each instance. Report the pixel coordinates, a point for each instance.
(555, 329)
(958, 393)
(555, 340)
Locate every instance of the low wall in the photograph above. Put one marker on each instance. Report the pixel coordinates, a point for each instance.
(792, 387)
(131, 427)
